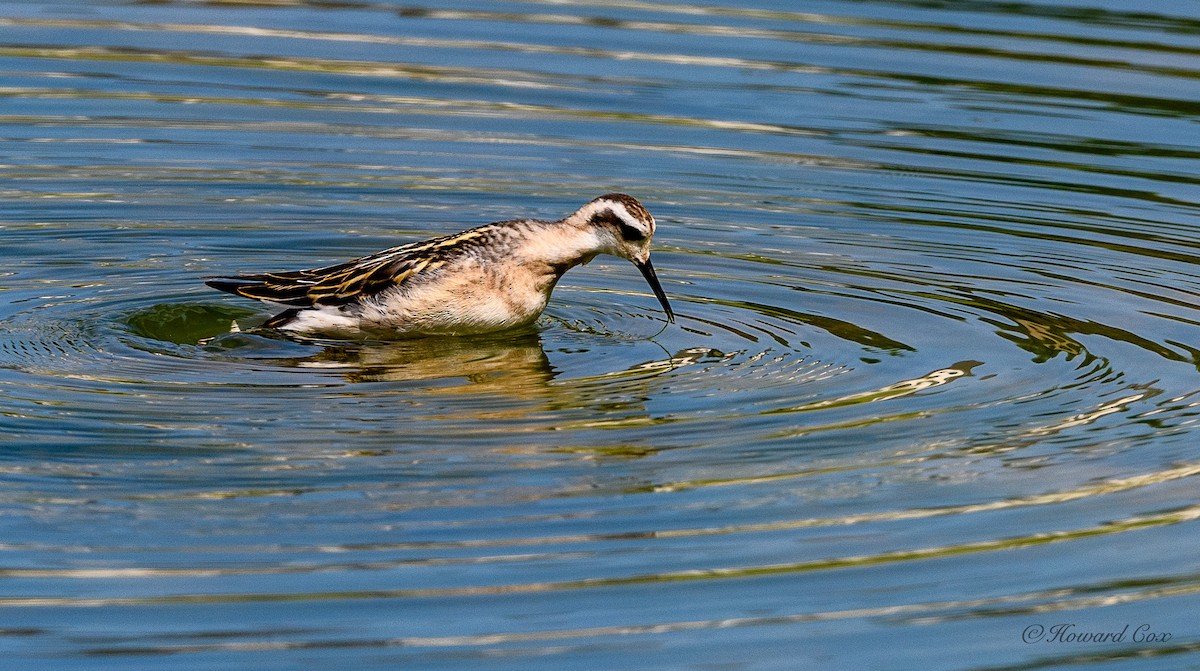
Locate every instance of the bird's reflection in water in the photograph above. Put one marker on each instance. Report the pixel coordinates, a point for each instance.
(506, 377)
(512, 363)
(503, 377)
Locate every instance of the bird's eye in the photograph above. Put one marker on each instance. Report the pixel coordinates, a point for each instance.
(630, 233)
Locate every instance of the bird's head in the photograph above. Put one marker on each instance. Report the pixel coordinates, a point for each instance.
(624, 228)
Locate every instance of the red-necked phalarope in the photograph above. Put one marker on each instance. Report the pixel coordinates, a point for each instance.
(489, 278)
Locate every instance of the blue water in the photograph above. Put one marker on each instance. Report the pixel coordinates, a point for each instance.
(930, 401)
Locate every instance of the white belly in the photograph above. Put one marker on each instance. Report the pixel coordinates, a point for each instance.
(455, 304)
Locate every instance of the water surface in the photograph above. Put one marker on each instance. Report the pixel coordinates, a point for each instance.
(933, 385)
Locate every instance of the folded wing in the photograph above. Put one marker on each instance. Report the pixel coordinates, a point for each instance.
(354, 280)
(332, 285)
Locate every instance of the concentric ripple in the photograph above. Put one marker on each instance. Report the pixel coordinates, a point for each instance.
(933, 383)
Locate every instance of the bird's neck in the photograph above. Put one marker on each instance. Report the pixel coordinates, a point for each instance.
(561, 246)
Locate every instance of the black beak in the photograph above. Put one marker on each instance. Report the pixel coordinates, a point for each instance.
(652, 279)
